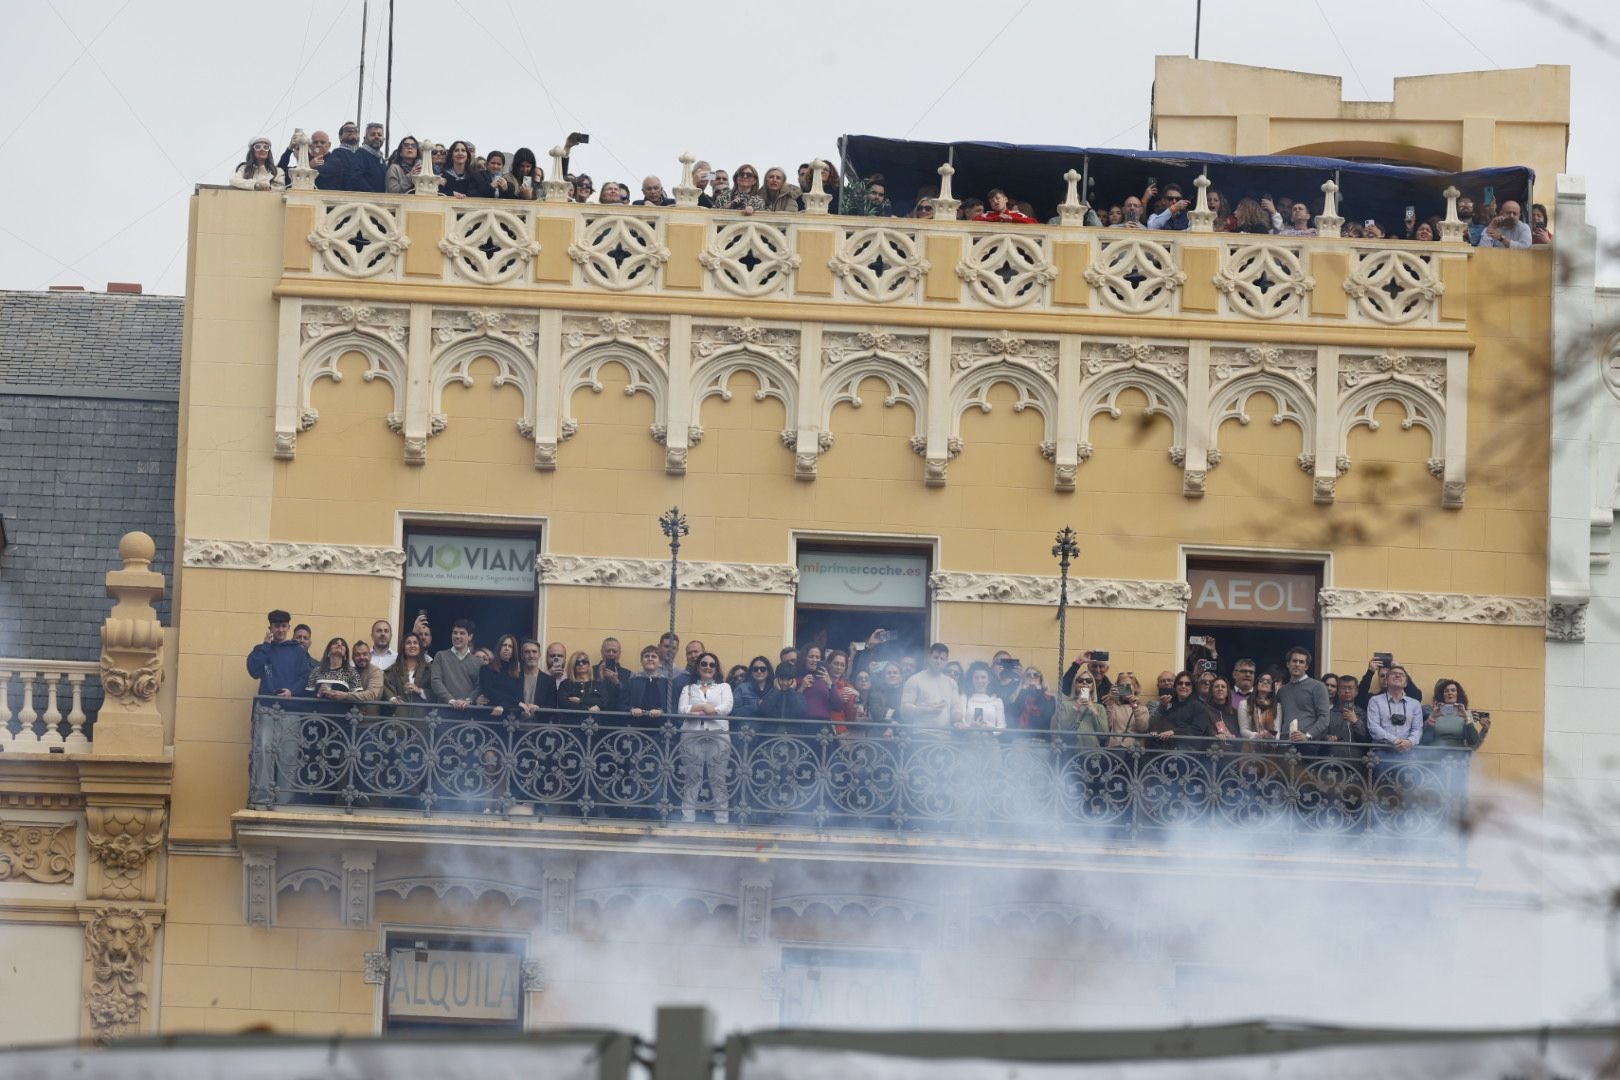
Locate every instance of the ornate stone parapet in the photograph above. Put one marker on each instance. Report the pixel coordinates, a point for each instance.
(130, 724)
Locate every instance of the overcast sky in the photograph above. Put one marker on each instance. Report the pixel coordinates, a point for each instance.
(134, 103)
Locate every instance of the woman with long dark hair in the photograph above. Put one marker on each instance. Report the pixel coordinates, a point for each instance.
(500, 682)
(1449, 722)
(1186, 716)
(404, 165)
(406, 681)
(525, 176)
(745, 698)
(258, 170)
(334, 668)
(458, 171)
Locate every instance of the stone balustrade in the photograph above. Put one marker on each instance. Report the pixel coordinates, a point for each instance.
(42, 705)
(882, 267)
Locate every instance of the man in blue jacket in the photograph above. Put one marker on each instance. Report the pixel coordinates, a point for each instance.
(279, 663)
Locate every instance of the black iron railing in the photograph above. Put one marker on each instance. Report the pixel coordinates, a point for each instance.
(809, 774)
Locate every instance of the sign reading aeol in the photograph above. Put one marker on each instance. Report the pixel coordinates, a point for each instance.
(1251, 597)
(454, 984)
(858, 579)
(471, 563)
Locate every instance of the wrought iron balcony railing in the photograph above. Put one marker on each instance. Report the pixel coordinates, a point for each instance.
(803, 774)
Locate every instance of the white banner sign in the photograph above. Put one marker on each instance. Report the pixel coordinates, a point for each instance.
(852, 579)
(454, 984)
(471, 563)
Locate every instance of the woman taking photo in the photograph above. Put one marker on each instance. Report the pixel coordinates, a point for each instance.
(1033, 706)
(258, 170)
(1079, 712)
(406, 681)
(579, 692)
(525, 176)
(1449, 722)
(981, 709)
(500, 682)
(404, 165)
(1126, 713)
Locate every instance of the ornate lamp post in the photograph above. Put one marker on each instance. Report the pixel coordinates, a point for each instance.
(674, 525)
(1064, 551)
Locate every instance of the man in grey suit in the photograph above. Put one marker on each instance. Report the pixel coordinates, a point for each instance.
(1303, 703)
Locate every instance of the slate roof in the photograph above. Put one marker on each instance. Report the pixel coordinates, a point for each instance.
(79, 465)
(100, 340)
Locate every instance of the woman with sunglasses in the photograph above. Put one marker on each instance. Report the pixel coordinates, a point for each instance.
(1186, 716)
(705, 746)
(745, 193)
(1080, 713)
(747, 695)
(404, 164)
(578, 692)
(258, 170)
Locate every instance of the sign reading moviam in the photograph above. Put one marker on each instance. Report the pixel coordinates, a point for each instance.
(470, 563)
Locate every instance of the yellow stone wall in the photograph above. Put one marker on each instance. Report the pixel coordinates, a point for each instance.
(998, 512)
(1464, 120)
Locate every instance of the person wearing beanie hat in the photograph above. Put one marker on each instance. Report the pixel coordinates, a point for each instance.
(258, 171)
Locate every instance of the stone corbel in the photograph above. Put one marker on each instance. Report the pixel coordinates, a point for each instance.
(1454, 469)
(289, 354)
(359, 871)
(754, 907)
(547, 419)
(123, 843)
(557, 881)
(117, 951)
(416, 424)
(259, 886)
(1566, 618)
(1196, 458)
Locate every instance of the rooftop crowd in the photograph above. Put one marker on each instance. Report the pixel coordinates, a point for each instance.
(872, 688)
(359, 163)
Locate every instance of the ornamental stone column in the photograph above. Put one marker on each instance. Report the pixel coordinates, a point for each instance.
(130, 723)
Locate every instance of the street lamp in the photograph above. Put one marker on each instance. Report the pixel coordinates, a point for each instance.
(674, 525)
(1065, 550)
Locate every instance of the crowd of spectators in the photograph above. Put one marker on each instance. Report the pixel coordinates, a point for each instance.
(871, 688)
(364, 164)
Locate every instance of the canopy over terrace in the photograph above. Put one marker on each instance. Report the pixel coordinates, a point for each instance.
(1035, 173)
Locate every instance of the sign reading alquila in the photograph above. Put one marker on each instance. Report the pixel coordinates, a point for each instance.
(454, 984)
(470, 563)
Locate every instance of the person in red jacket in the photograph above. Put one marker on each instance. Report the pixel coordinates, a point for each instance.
(999, 211)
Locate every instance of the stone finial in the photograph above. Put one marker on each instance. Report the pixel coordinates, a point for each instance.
(1453, 228)
(426, 181)
(685, 193)
(1071, 211)
(130, 724)
(302, 177)
(1329, 221)
(816, 199)
(945, 207)
(555, 189)
(1201, 218)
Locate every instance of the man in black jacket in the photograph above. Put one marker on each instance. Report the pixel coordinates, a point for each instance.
(782, 702)
(646, 694)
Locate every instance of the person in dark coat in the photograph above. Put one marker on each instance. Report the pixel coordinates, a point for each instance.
(279, 663)
(1186, 716)
(783, 703)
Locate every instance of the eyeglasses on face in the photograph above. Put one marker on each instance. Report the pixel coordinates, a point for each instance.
(706, 663)
(1183, 682)
(1086, 682)
(757, 670)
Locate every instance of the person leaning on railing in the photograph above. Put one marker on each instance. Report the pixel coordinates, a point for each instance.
(457, 172)
(1393, 718)
(579, 692)
(257, 172)
(500, 682)
(404, 165)
(1355, 717)
(746, 196)
(705, 745)
(334, 676)
(782, 703)
(982, 708)
(756, 683)
(1080, 712)
(454, 673)
(1185, 716)
(406, 681)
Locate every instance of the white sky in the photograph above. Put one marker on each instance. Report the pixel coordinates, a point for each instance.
(132, 103)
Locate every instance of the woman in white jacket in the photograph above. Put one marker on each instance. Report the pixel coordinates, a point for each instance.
(258, 170)
(705, 747)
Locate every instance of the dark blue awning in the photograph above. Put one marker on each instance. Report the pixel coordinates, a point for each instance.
(1034, 172)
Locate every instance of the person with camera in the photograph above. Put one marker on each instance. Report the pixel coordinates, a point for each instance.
(1394, 719)
(1095, 661)
(1032, 708)
(981, 710)
(1354, 716)
(1449, 722)
(1004, 677)
(1126, 713)
(1165, 684)
(1506, 230)
(1375, 675)
(1081, 713)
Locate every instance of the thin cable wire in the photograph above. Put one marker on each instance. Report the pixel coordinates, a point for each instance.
(1455, 29)
(115, 89)
(959, 76)
(555, 115)
(32, 109)
(558, 102)
(303, 63)
(1124, 131)
(1366, 95)
(286, 95)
